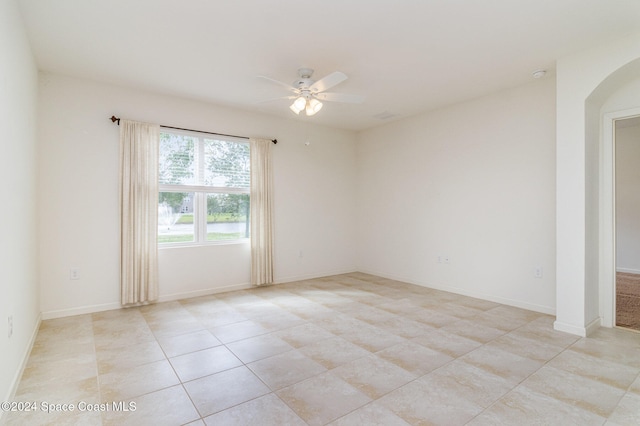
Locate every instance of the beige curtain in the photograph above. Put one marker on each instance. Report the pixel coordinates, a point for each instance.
(138, 212)
(261, 212)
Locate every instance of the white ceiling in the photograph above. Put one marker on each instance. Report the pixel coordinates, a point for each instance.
(404, 56)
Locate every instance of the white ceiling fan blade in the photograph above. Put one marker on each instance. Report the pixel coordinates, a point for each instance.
(276, 99)
(288, 86)
(328, 82)
(340, 97)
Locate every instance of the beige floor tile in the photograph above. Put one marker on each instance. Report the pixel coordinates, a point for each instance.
(471, 383)
(523, 346)
(370, 415)
(259, 308)
(470, 302)
(218, 317)
(176, 327)
(501, 363)
(190, 342)
(333, 352)
(542, 329)
(123, 337)
(226, 389)
(203, 363)
(575, 390)
(116, 319)
(256, 348)
(279, 321)
(399, 307)
(455, 310)
(628, 410)
(473, 331)
(59, 393)
(495, 320)
(476, 354)
(322, 398)
(635, 386)
(43, 352)
(170, 407)
(58, 370)
(610, 373)
(371, 338)
(124, 357)
(404, 327)
(610, 351)
(512, 313)
(130, 383)
(237, 331)
(338, 323)
(431, 318)
(448, 343)
(371, 314)
(285, 369)
(373, 376)
(199, 422)
(52, 417)
(366, 297)
(301, 306)
(302, 335)
(618, 336)
(239, 298)
(419, 403)
(414, 358)
(526, 407)
(268, 410)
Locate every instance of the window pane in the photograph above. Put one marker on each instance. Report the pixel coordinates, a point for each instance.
(177, 159)
(226, 164)
(227, 216)
(175, 217)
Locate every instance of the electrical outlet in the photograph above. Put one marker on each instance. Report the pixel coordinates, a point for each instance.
(300, 255)
(10, 324)
(74, 274)
(439, 259)
(537, 272)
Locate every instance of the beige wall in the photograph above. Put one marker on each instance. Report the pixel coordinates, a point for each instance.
(18, 169)
(474, 182)
(78, 151)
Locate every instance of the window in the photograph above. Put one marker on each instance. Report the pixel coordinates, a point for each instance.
(203, 188)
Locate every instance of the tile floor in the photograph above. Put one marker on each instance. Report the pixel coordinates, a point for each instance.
(352, 349)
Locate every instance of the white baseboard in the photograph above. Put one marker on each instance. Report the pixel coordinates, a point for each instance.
(628, 270)
(464, 292)
(80, 310)
(183, 295)
(576, 329)
(25, 358)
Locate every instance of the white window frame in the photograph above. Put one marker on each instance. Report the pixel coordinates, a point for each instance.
(200, 192)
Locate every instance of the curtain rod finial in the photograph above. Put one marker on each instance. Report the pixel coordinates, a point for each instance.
(114, 119)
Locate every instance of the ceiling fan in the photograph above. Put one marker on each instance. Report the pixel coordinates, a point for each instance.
(308, 93)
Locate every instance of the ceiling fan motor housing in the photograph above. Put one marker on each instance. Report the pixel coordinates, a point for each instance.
(305, 81)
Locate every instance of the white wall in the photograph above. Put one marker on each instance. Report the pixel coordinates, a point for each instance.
(474, 182)
(18, 168)
(584, 82)
(78, 151)
(628, 199)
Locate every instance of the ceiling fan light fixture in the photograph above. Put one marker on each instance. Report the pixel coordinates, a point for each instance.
(313, 106)
(294, 108)
(300, 103)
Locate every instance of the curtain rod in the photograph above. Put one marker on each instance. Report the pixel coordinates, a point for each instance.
(114, 119)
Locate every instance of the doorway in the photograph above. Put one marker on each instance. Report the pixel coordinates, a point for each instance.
(627, 222)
